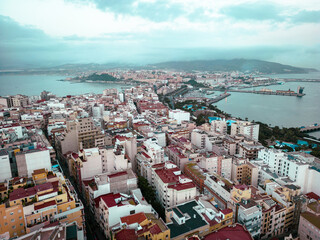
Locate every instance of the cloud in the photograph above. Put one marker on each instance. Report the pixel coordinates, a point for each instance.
(253, 11)
(11, 30)
(144, 31)
(305, 16)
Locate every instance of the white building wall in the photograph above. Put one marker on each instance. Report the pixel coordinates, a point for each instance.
(37, 160)
(179, 115)
(5, 169)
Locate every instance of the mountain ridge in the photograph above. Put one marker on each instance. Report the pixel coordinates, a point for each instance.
(238, 64)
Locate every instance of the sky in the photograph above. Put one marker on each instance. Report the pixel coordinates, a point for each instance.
(53, 32)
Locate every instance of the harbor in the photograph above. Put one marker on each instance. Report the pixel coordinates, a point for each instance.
(266, 91)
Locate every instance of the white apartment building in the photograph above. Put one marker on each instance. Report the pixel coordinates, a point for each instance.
(172, 187)
(5, 169)
(14, 127)
(220, 188)
(245, 128)
(31, 160)
(280, 165)
(111, 207)
(179, 115)
(219, 126)
(219, 164)
(119, 182)
(198, 138)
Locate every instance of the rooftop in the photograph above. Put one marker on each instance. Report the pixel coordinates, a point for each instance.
(312, 218)
(135, 218)
(194, 222)
(235, 232)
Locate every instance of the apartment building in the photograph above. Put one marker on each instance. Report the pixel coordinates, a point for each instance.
(245, 128)
(118, 182)
(179, 115)
(250, 215)
(142, 225)
(172, 187)
(86, 164)
(109, 208)
(216, 163)
(219, 126)
(49, 199)
(197, 174)
(5, 170)
(309, 225)
(243, 172)
(176, 154)
(198, 217)
(30, 160)
(219, 188)
(280, 165)
(12, 221)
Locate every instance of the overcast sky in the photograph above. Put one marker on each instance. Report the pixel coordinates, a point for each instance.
(53, 32)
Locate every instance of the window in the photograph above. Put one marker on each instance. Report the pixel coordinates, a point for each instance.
(132, 212)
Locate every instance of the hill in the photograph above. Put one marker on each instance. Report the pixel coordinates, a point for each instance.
(242, 65)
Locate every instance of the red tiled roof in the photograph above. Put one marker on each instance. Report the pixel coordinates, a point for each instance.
(45, 204)
(237, 232)
(226, 211)
(135, 218)
(22, 193)
(117, 174)
(109, 199)
(182, 186)
(146, 155)
(126, 234)
(241, 187)
(211, 222)
(43, 187)
(312, 195)
(155, 229)
(167, 175)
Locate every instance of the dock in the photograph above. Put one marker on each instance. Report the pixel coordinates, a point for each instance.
(218, 98)
(311, 128)
(268, 92)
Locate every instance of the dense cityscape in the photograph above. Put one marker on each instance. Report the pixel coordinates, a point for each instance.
(159, 120)
(157, 160)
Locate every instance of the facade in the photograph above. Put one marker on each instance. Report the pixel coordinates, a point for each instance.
(250, 215)
(218, 164)
(5, 170)
(219, 126)
(309, 226)
(86, 164)
(172, 187)
(109, 209)
(12, 220)
(179, 115)
(50, 199)
(245, 128)
(30, 160)
(219, 188)
(243, 172)
(119, 182)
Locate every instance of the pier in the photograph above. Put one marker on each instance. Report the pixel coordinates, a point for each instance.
(311, 128)
(218, 98)
(270, 92)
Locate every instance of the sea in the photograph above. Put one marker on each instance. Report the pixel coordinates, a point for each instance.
(282, 111)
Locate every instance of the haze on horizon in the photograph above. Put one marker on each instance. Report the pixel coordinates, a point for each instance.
(39, 33)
